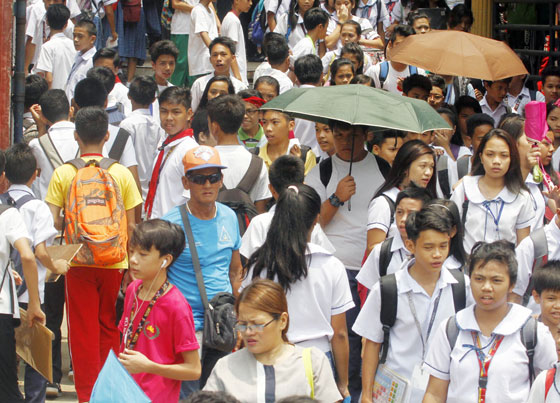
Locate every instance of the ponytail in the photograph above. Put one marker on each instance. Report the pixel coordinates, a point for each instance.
(282, 255)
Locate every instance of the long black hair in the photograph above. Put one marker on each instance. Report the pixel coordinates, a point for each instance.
(407, 154)
(294, 12)
(282, 256)
(204, 99)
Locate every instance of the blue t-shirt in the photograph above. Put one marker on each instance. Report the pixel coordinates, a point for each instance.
(215, 240)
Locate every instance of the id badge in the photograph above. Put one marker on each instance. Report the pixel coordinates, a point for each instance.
(420, 377)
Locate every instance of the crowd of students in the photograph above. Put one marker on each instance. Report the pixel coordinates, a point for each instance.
(352, 255)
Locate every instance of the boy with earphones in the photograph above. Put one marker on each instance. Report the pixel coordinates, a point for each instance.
(159, 346)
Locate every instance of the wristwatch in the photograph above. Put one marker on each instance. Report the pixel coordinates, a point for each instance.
(335, 201)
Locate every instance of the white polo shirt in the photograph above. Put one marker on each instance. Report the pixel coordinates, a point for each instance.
(517, 103)
(82, 63)
(296, 34)
(231, 27)
(538, 390)
(325, 292)
(492, 220)
(57, 57)
(497, 113)
(508, 374)
(369, 274)
(405, 344)
(305, 46)
(347, 230)
(199, 86)
(170, 189)
(256, 232)
(40, 224)
(379, 213)
(13, 229)
(119, 94)
(202, 20)
(128, 157)
(282, 78)
(146, 136)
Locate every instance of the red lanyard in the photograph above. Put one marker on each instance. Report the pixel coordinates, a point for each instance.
(484, 363)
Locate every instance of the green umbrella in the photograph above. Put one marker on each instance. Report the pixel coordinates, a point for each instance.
(357, 104)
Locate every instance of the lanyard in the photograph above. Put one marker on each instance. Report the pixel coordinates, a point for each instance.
(517, 103)
(131, 338)
(484, 363)
(417, 322)
(313, 43)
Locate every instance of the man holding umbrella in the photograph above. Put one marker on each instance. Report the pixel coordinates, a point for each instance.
(346, 183)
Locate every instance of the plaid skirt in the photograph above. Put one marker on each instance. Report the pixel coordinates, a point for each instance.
(132, 36)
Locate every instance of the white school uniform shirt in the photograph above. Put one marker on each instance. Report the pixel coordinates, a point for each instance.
(57, 57)
(508, 374)
(369, 11)
(128, 157)
(237, 159)
(62, 136)
(368, 32)
(231, 27)
(405, 344)
(325, 292)
(199, 86)
(517, 103)
(278, 7)
(255, 235)
(332, 55)
(296, 34)
(181, 20)
(154, 107)
(369, 274)
(119, 94)
(82, 63)
(492, 220)
(40, 224)
(169, 191)
(202, 20)
(146, 135)
(525, 254)
(538, 202)
(538, 390)
(282, 78)
(379, 213)
(390, 83)
(13, 229)
(347, 229)
(305, 46)
(497, 113)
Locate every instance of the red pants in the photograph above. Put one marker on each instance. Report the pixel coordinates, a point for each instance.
(91, 295)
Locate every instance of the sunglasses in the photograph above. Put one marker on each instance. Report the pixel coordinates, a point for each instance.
(200, 179)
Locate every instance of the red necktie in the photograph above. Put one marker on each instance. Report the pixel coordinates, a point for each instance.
(149, 204)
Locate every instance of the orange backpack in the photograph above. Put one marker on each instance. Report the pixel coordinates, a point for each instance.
(94, 215)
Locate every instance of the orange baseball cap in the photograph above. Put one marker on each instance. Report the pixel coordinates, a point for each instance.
(202, 157)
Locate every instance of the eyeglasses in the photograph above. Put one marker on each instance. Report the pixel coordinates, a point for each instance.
(251, 111)
(200, 179)
(253, 328)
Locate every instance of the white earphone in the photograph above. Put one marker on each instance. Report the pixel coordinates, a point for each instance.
(163, 263)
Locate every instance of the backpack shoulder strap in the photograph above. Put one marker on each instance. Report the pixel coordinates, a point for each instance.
(4, 207)
(412, 70)
(443, 175)
(452, 331)
(117, 149)
(50, 151)
(388, 314)
(383, 72)
(549, 380)
(252, 174)
(465, 209)
(105, 163)
(255, 150)
(529, 340)
(463, 166)
(308, 365)
(391, 208)
(24, 199)
(540, 245)
(533, 95)
(77, 163)
(459, 290)
(325, 171)
(385, 256)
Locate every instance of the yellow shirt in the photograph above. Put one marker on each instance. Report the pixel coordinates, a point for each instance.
(310, 158)
(62, 179)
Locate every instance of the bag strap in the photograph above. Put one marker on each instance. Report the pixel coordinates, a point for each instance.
(308, 365)
(391, 208)
(549, 380)
(325, 171)
(443, 175)
(413, 70)
(529, 340)
(50, 151)
(388, 313)
(385, 256)
(452, 331)
(77, 163)
(252, 174)
(117, 149)
(465, 209)
(194, 256)
(463, 166)
(383, 72)
(105, 163)
(459, 290)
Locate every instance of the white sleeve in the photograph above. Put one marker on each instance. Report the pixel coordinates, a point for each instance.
(271, 6)
(368, 323)
(260, 190)
(525, 258)
(458, 197)
(13, 226)
(45, 60)
(379, 214)
(341, 295)
(196, 94)
(43, 229)
(537, 394)
(282, 24)
(254, 236)
(313, 179)
(319, 237)
(545, 350)
(438, 359)
(368, 275)
(373, 72)
(228, 29)
(553, 239)
(199, 21)
(526, 214)
(128, 158)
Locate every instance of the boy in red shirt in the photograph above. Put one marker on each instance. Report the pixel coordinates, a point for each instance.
(159, 346)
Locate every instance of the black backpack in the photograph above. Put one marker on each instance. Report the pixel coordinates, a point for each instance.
(238, 198)
(389, 303)
(443, 172)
